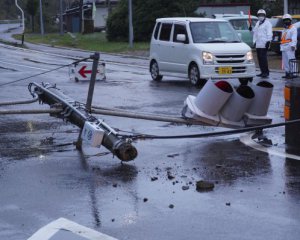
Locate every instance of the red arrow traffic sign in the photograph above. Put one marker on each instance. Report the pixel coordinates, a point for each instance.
(83, 72)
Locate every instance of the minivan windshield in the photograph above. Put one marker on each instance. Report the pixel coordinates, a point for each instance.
(213, 32)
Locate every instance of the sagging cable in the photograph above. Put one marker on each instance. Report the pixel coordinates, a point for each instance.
(211, 134)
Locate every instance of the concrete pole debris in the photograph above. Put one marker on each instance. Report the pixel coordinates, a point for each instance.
(76, 114)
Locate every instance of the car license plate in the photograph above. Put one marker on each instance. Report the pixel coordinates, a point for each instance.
(225, 70)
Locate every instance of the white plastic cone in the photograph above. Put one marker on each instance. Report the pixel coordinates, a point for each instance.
(238, 104)
(263, 93)
(213, 96)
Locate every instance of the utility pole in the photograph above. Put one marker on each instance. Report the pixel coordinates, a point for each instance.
(61, 24)
(130, 23)
(23, 21)
(81, 19)
(285, 6)
(108, 6)
(41, 19)
(95, 58)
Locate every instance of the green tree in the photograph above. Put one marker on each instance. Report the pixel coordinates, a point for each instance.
(31, 9)
(272, 8)
(144, 14)
(8, 10)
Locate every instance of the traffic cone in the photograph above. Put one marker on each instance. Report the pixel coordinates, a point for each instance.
(233, 111)
(207, 104)
(257, 112)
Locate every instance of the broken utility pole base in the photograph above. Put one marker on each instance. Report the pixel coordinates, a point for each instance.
(95, 131)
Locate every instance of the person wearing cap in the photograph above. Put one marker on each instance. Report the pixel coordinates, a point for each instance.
(288, 44)
(262, 36)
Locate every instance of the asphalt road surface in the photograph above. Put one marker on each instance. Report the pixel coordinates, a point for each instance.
(43, 177)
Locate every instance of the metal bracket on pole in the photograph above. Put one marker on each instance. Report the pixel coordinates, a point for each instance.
(89, 100)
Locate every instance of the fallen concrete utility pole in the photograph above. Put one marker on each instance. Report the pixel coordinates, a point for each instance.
(29, 111)
(77, 114)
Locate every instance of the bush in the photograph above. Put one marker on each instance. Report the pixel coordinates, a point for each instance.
(145, 13)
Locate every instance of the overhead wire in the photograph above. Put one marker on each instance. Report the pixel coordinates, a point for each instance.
(45, 72)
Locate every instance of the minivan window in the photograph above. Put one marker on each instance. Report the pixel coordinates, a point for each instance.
(180, 29)
(279, 22)
(165, 32)
(213, 32)
(239, 24)
(156, 30)
(242, 24)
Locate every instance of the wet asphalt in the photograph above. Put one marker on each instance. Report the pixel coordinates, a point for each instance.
(43, 177)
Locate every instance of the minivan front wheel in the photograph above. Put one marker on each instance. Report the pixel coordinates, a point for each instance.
(194, 76)
(154, 71)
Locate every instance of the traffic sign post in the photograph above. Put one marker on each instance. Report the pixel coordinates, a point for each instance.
(83, 71)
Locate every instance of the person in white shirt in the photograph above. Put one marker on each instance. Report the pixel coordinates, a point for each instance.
(262, 36)
(288, 44)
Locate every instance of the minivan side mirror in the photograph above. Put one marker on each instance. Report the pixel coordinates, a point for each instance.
(181, 38)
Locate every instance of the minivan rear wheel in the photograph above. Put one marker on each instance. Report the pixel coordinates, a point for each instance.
(154, 71)
(194, 76)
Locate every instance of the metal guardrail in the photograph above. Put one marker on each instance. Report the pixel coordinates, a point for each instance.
(294, 66)
(10, 21)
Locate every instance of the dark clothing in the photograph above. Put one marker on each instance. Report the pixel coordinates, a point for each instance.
(262, 60)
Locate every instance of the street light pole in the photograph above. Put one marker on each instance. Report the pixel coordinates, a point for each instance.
(61, 27)
(23, 21)
(130, 23)
(41, 18)
(285, 6)
(81, 24)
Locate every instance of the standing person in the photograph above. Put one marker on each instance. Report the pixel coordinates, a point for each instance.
(288, 44)
(262, 36)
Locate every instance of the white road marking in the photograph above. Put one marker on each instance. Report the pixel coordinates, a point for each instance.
(78, 58)
(54, 227)
(247, 140)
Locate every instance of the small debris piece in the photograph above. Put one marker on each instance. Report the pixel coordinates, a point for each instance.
(204, 185)
(113, 220)
(173, 155)
(170, 177)
(145, 199)
(219, 166)
(154, 179)
(228, 204)
(171, 206)
(115, 185)
(185, 188)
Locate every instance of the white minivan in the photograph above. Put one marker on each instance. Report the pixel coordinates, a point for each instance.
(202, 48)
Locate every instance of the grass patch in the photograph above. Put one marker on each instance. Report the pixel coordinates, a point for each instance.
(92, 42)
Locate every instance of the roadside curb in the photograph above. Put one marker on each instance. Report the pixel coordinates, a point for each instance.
(88, 51)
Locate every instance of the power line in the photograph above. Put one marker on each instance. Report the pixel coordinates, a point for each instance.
(39, 74)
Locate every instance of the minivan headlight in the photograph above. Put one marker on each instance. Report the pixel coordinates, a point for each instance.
(249, 57)
(208, 58)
